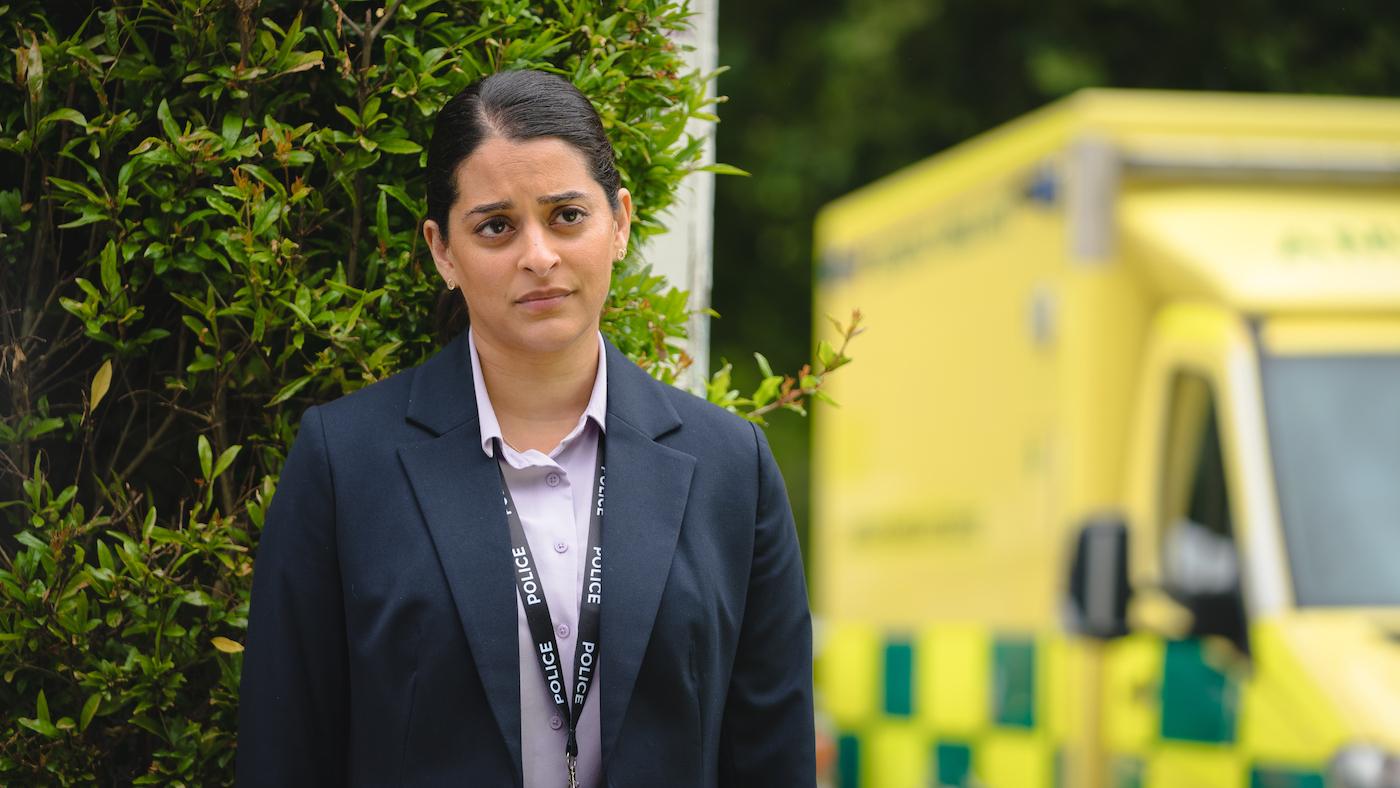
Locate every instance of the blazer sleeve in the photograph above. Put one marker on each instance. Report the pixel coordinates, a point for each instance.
(767, 737)
(293, 701)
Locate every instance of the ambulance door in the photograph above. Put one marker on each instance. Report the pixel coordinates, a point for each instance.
(1172, 685)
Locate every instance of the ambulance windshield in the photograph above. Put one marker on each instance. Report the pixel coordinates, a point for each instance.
(1334, 424)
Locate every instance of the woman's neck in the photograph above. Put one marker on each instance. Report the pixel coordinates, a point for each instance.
(538, 398)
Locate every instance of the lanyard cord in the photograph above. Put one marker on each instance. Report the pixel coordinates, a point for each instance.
(528, 584)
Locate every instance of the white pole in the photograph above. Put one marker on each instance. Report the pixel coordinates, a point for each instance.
(684, 254)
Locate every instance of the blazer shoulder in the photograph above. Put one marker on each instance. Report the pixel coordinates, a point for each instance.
(368, 411)
(389, 392)
(705, 421)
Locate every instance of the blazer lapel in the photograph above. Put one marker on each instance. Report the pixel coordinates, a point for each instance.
(458, 491)
(648, 485)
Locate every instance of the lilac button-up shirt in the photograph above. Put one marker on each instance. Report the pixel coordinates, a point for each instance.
(552, 493)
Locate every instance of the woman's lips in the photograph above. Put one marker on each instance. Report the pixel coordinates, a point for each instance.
(543, 300)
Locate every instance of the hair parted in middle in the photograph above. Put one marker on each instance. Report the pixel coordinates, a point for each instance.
(515, 106)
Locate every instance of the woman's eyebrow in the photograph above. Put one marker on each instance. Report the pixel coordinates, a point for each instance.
(491, 207)
(548, 199)
(551, 199)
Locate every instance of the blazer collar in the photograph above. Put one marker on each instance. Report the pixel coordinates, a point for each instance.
(443, 397)
(457, 490)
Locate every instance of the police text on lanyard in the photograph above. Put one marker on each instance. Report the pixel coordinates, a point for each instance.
(527, 582)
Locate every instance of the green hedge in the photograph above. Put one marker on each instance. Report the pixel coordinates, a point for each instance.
(215, 222)
(209, 218)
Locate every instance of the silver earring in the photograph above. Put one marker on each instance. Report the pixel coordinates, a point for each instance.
(451, 285)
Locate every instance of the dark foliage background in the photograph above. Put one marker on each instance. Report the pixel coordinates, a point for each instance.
(828, 95)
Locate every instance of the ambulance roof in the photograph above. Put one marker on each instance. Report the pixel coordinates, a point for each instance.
(1320, 196)
(1269, 248)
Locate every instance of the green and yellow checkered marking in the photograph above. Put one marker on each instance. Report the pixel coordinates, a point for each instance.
(960, 705)
(936, 707)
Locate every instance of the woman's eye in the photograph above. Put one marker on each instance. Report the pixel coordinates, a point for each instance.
(493, 227)
(571, 215)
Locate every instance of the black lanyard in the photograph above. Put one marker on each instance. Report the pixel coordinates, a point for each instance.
(528, 583)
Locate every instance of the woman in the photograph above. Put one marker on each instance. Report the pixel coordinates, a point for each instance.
(526, 562)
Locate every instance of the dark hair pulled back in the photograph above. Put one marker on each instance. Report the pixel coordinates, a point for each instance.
(513, 105)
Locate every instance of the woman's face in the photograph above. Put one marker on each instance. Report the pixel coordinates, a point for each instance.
(531, 243)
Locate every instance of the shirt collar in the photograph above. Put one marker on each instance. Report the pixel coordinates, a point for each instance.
(491, 427)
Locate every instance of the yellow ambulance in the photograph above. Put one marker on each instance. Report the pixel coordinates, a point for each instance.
(1112, 497)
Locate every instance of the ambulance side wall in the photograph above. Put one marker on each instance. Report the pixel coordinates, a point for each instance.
(985, 418)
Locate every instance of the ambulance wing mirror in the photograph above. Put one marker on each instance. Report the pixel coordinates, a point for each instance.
(1098, 579)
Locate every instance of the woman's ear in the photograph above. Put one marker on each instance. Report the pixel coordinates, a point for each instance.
(442, 256)
(623, 219)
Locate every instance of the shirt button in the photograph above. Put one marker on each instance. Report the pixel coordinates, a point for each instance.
(556, 723)
(563, 630)
(552, 480)
(561, 547)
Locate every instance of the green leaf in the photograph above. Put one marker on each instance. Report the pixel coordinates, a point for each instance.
(111, 280)
(87, 218)
(101, 382)
(11, 210)
(148, 525)
(206, 458)
(826, 354)
(717, 390)
(69, 492)
(227, 646)
(88, 288)
(399, 194)
(42, 727)
(203, 362)
(376, 359)
(289, 390)
(267, 216)
(232, 127)
(263, 175)
(73, 187)
(767, 390)
(70, 115)
(722, 169)
(167, 121)
(763, 365)
(398, 145)
(225, 459)
(301, 61)
(89, 709)
(196, 597)
(151, 726)
(349, 114)
(381, 218)
(43, 708)
(44, 427)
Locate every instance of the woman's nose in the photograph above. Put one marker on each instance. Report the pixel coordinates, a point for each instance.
(538, 256)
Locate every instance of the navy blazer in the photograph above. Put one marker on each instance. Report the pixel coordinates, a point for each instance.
(382, 632)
